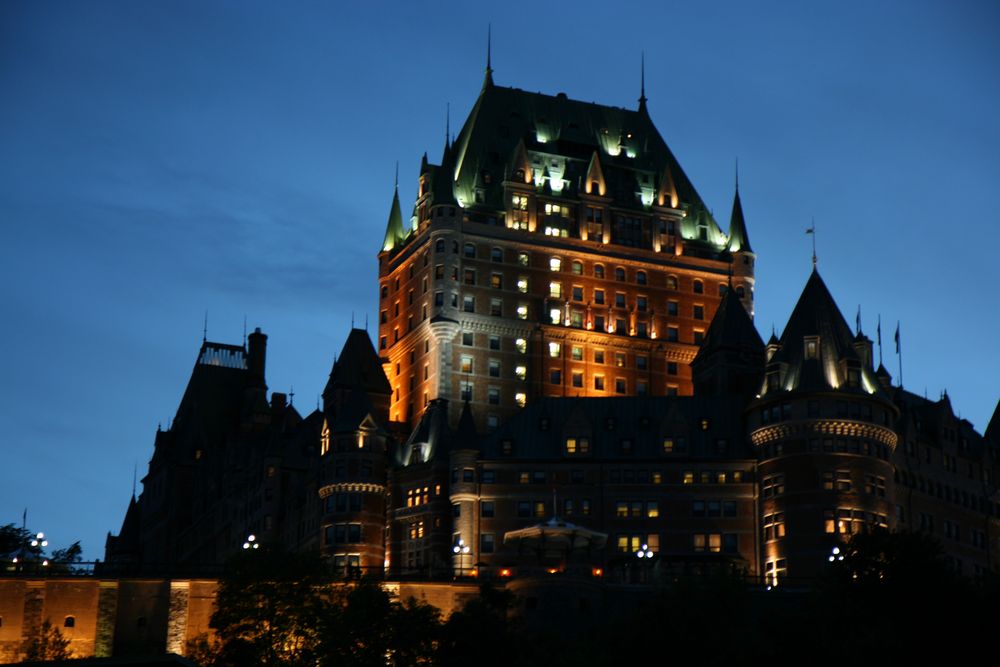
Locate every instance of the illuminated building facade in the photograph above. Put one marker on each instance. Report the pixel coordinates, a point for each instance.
(565, 335)
(557, 250)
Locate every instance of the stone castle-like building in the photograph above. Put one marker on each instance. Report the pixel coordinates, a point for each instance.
(565, 375)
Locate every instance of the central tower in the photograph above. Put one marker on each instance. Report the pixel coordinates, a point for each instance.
(558, 249)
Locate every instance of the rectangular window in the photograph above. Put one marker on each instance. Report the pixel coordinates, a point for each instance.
(599, 297)
(494, 366)
(486, 543)
(486, 509)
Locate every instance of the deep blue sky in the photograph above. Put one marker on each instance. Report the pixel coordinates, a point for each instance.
(161, 160)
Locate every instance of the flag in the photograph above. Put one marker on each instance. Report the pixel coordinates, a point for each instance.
(897, 337)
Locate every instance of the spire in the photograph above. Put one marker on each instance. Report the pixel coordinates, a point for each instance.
(812, 231)
(204, 331)
(488, 81)
(447, 132)
(642, 83)
(394, 233)
(739, 240)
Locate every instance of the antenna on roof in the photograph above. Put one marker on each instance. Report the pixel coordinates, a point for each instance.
(397, 174)
(244, 331)
(366, 322)
(737, 174)
(204, 331)
(642, 82)
(135, 469)
(291, 395)
(317, 402)
(352, 319)
(812, 230)
(447, 124)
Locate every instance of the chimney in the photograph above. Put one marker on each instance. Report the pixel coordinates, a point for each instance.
(256, 354)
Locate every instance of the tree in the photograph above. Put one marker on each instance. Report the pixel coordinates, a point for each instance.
(46, 643)
(285, 609)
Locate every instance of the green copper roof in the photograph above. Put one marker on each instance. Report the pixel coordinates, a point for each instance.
(561, 136)
(739, 240)
(394, 232)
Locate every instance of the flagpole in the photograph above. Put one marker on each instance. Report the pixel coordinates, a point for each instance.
(879, 330)
(899, 354)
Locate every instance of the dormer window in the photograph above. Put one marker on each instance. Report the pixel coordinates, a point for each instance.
(812, 347)
(853, 377)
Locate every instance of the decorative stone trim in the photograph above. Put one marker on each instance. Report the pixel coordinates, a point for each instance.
(177, 616)
(842, 428)
(351, 487)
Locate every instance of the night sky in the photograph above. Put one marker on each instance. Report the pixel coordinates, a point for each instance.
(158, 161)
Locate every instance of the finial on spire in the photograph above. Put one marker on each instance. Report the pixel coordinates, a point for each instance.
(352, 319)
(397, 175)
(291, 395)
(488, 81)
(737, 175)
(447, 125)
(366, 321)
(244, 331)
(642, 81)
(135, 470)
(204, 331)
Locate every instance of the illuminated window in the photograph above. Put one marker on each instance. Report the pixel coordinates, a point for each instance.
(519, 212)
(555, 349)
(688, 477)
(324, 440)
(466, 364)
(774, 526)
(773, 486)
(539, 509)
(522, 258)
(520, 372)
(555, 315)
(522, 285)
(652, 509)
(668, 445)
(672, 282)
(555, 264)
(521, 345)
(812, 347)
(520, 398)
(576, 267)
(555, 290)
(496, 281)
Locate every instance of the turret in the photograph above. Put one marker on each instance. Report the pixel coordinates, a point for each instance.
(822, 430)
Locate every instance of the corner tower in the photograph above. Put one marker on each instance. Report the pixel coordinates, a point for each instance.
(821, 427)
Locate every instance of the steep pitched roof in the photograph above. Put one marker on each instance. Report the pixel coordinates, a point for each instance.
(394, 232)
(731, 329)
(633, 154)
(431, 440)
(358, 366)
(739, 239)
(816, 315)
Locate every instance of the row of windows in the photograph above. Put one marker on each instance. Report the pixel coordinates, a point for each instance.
(670, 445)
(948, 493)
(343, 502)
(342, 533)
(829, 446)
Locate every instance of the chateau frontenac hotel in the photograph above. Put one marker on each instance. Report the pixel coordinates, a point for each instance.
(566, 382)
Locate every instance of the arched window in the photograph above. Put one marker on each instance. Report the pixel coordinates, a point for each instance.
(671, 282)
(470, 250)
(577, 267)
(699, 287)
(620, 274)
(640, 277)
(598, 270)
(70, 622)
(454, 247)
(439, 245)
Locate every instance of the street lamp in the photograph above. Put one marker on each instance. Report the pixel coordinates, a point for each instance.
(461, 549)
(251, 542)
(644, 552)
(835, 555)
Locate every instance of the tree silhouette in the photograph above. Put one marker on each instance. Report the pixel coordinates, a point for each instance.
(46, 643)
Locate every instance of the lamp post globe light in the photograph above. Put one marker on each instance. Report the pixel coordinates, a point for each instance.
(251, 542)
(644, 552)
(461, 549)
